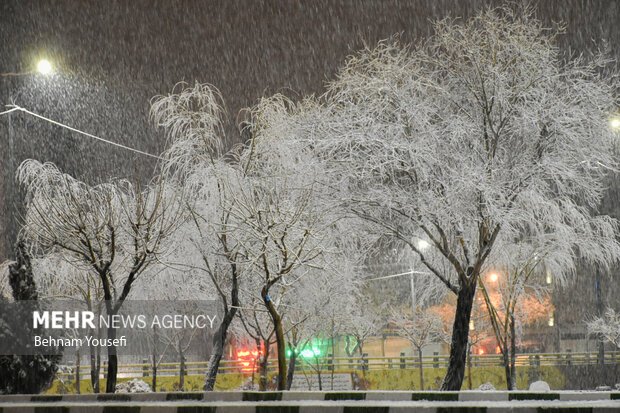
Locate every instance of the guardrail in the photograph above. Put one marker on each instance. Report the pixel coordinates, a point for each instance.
(349, 364)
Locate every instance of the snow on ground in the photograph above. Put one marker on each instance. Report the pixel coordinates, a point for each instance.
(365, 403)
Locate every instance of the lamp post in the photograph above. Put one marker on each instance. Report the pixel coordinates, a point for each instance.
(599, 309)
(422, 245)
(614, 125)
(44, 67)
(413, 300)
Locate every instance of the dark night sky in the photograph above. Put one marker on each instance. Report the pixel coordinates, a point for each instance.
(245, 48)
(114, 56)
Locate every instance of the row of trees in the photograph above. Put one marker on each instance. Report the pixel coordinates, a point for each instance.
(483, 143)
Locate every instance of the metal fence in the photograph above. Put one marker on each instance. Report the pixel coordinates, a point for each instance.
(348, 365)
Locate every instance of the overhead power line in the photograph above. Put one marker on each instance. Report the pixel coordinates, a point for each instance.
(398, 275)
(18, 108)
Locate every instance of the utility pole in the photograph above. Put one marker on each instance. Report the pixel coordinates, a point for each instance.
(413, 300)
(9, 230)
(599, 310)
(10, 193)
(6, 190)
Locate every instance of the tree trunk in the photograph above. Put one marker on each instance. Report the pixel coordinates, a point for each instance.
(181, 371)
(154, 361)
(291, 369)
(99, 366)
(77, 371)
(219, 341)
(507, 370)
(509, 355)
(112, 362)
(94, 370)
(513, 355)
(262, 366)
(460, 335)
(360, 345)
(112, 308)
(421, 368)
(280, 343)
(219, 338)
(332, 356)
(469, 366)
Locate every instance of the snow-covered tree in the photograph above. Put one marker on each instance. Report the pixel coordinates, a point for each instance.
(60, 279)
(482, 132)
(421, 328)
(301, 322)
(214, 236)
(209, 178)
(114, 229)
(256, 211)
(363, 322)
(515, 288)
(23, 373)
(180, 286)
(284, 222)
(317, 308)
(607, 326)
(259, 329)
(418, 322)
(280, 241)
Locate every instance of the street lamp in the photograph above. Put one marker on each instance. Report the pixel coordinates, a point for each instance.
(44, 67)
(614, 123)
(422, 245)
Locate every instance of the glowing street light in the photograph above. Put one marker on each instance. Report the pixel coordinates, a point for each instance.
(44, 67)
(422, 244)
(614, 123)
(493, 277)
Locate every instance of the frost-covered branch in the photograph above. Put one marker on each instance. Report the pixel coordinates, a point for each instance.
(607, 326)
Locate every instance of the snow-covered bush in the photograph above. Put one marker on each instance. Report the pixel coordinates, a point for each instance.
(133, 386)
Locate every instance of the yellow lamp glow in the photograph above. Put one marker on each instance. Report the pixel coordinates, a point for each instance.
(44, 67)
(422, 245)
